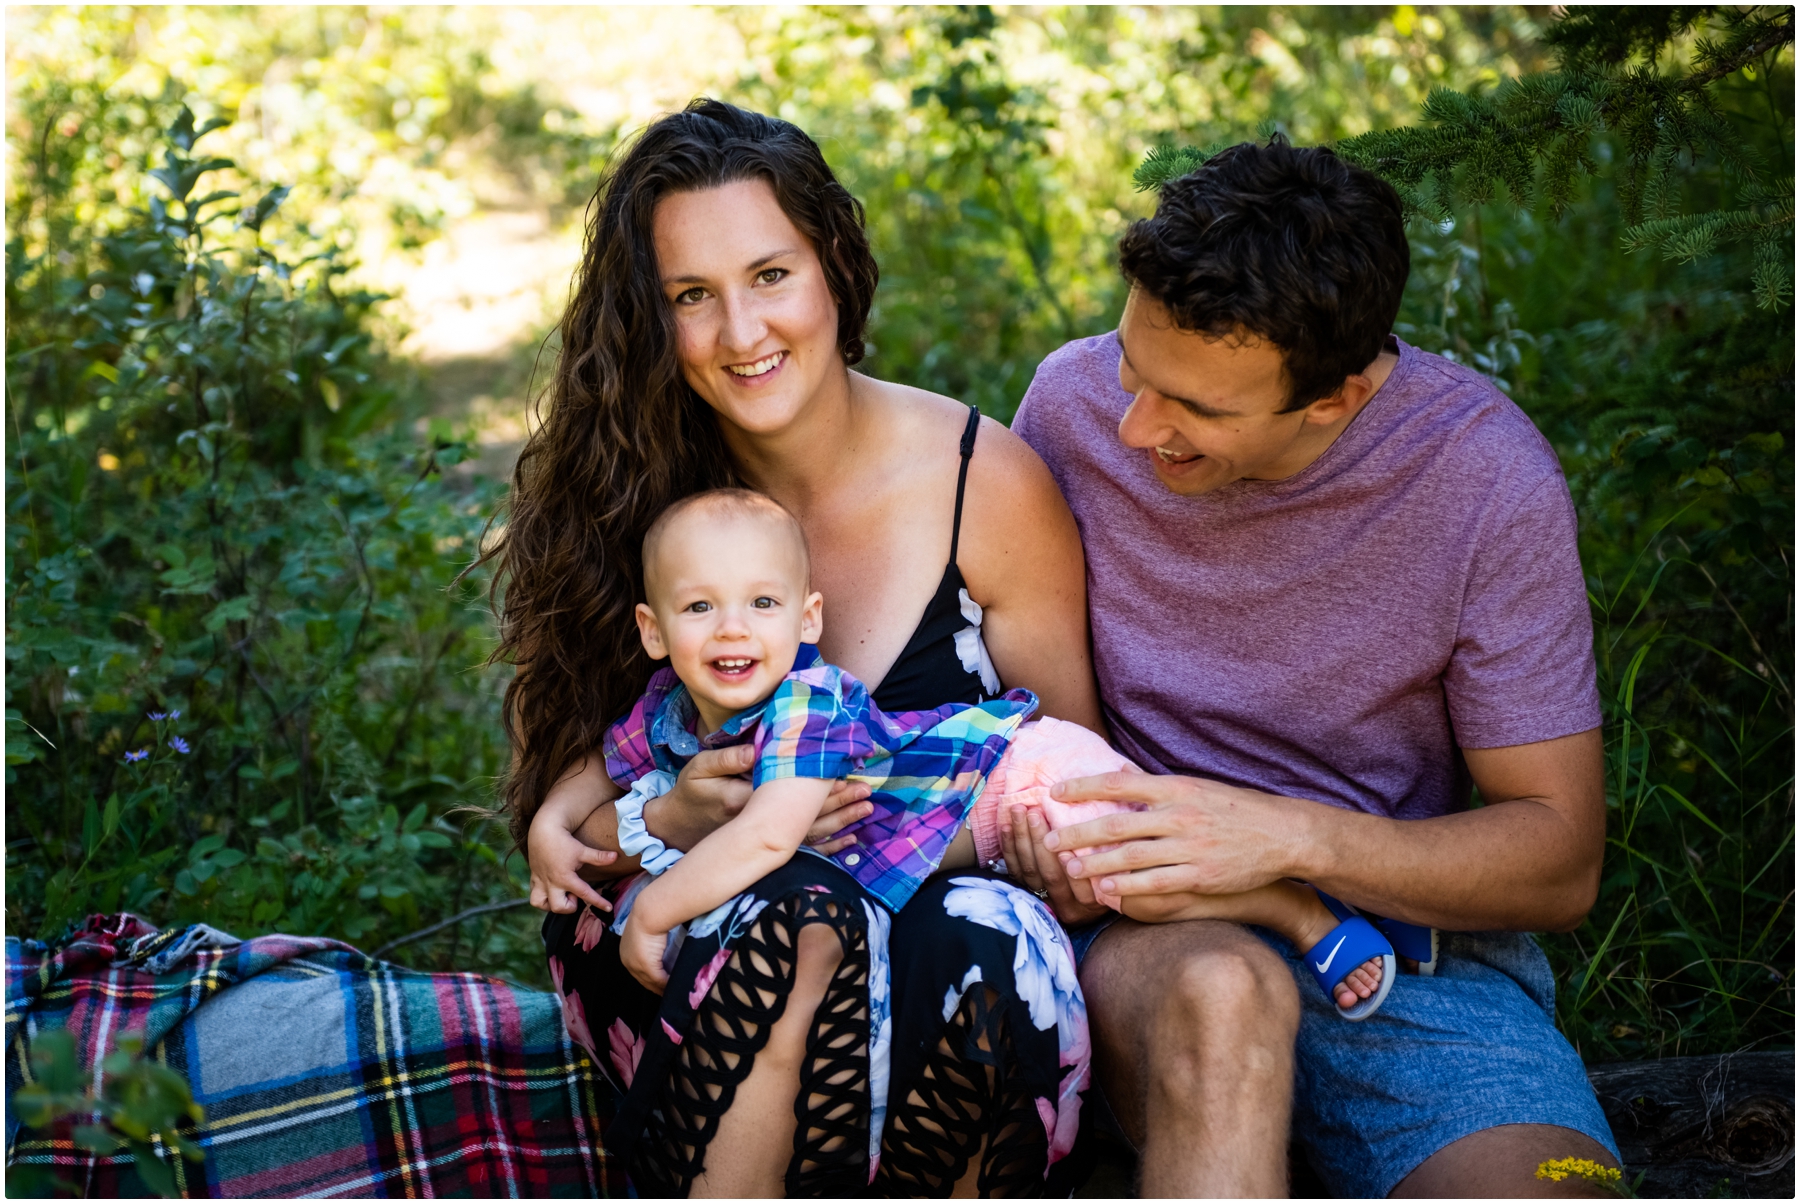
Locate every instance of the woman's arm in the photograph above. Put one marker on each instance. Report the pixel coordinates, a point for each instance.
(1020, 553)
(731, 860)
(586, 787)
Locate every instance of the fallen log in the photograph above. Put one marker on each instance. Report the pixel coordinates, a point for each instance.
(1703, 1126)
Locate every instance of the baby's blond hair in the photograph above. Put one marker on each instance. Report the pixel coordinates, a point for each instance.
(727, 503)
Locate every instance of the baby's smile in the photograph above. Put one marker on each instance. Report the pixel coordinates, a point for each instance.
(733, 669)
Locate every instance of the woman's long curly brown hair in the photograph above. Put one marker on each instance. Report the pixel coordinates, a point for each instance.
(623, 435)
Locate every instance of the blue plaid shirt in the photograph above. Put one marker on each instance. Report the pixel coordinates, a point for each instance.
(924, 768)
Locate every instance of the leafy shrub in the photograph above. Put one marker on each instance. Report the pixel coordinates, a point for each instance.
(139, 1101)
(241, 680)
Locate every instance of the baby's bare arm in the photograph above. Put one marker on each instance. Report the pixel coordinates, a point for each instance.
(758, 842)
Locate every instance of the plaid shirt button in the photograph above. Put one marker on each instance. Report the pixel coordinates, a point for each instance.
(853, 859)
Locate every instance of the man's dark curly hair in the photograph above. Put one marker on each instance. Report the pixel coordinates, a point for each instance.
(1291, 244)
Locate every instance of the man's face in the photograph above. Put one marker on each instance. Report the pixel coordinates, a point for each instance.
(1206, 411)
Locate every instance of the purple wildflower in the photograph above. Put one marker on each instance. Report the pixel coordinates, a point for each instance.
(174, 714)
(138, 755)
(178, 744)
(157, 716)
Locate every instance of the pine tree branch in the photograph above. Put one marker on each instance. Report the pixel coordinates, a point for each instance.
(1783, 35)
(1533, 135)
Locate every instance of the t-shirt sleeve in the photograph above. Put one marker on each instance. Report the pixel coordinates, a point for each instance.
(1024, 419)
(1056, 378)
(815, 725)
(1523, 666)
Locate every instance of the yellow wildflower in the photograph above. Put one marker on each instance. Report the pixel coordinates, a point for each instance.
(1558, 1169)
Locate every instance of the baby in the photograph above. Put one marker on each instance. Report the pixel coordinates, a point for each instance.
(729, 603)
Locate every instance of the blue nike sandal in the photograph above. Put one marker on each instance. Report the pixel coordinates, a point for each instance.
(1353, 942)
(1413, 941)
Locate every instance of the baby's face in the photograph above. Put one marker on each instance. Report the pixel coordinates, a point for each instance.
(729, 606)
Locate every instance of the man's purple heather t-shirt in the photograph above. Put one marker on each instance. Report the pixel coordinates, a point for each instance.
(1339, 634)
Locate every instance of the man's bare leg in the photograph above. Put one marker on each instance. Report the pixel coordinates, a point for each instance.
(1502, 1162)
(749, 1154)
(1194, 1024)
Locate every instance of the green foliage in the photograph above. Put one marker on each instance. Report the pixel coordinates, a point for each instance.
(1536, 135)
(1769, 213)
(240, 682)
(994, 149)
(1166, 162)
(1688, 514)
(273, 556)
(142, 1105)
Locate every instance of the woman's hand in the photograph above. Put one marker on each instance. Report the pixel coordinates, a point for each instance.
(555, 858)
(1041, 871)
(843, 806)
(712, 788)
(642, 952)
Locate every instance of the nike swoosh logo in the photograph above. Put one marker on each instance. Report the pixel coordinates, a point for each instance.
(1330, 957)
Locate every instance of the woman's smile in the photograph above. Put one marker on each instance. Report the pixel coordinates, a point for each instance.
(757, 324)
(761, 370)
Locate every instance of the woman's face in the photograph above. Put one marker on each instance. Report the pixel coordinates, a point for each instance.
(755, 321)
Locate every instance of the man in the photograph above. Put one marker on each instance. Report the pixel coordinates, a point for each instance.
(1332, 581)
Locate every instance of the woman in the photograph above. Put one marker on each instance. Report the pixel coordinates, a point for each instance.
(717, 313)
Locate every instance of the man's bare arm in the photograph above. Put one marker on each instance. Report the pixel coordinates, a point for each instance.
(1529, 860)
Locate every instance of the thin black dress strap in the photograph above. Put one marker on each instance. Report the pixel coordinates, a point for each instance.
(962, 476)
(929, 670)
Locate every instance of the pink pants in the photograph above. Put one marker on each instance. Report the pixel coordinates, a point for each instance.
(1045, 752)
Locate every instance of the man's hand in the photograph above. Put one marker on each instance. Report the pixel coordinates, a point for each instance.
(1197, 835)
(712, 788)
(1528, 860)
(555, 858)
(642, 952)
(1037, 869)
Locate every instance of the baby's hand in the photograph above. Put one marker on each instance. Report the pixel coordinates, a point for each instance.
(642, 952)
(556, 858)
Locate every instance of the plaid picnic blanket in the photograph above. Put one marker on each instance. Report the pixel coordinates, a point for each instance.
(323, 1071)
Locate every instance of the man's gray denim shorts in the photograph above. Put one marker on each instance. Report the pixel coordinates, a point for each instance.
(1473, 1047)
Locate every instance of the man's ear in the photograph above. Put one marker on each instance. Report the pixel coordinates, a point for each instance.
(650, 632)
(1348, 399)
(812, 619)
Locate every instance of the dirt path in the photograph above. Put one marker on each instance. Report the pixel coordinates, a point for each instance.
(479, 301)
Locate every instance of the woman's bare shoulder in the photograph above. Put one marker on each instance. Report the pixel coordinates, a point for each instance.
(1002, 464)
(916, 418)
(1013, 513)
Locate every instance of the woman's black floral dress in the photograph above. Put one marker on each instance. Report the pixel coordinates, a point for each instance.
(950, 1028)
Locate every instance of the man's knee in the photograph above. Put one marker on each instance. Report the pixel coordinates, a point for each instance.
(1232, 992)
